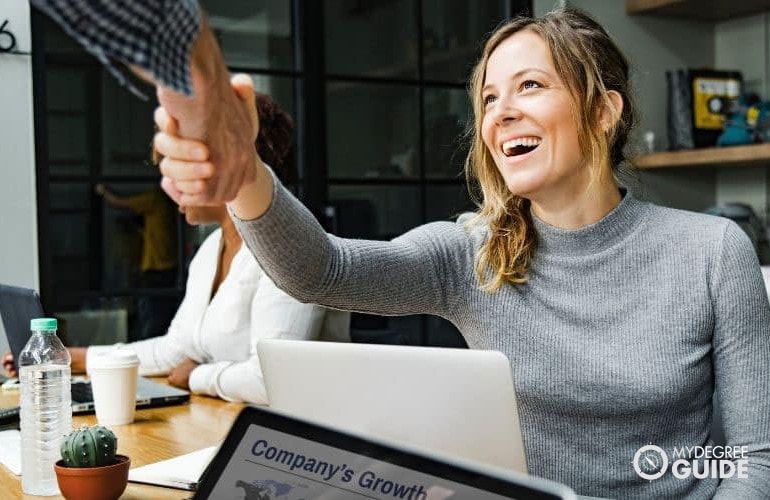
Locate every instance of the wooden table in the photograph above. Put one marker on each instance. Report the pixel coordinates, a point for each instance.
(156, 434)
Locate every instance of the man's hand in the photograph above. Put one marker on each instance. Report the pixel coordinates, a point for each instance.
(180, 375)
(216, 116)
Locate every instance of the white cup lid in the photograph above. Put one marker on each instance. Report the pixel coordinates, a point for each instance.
(116, 358)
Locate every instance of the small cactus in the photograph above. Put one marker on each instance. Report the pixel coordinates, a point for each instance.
(89, 447)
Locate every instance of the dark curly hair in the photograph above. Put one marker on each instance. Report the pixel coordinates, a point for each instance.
(275, 142)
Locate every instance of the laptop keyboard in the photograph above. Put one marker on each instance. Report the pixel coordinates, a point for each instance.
(81, 392)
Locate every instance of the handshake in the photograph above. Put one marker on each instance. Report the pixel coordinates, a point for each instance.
(207, 140)
(208, 146)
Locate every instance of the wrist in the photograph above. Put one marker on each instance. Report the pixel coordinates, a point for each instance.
(206, 59)
(254, 197)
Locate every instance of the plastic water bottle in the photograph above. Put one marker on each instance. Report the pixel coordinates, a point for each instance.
(46, 409)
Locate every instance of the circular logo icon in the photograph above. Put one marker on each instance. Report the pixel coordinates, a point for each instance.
(650, 462)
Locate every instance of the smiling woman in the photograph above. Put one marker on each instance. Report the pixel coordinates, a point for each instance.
(622, 320)
(546, 138)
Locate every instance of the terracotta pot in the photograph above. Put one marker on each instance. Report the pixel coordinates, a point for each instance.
(93, 483)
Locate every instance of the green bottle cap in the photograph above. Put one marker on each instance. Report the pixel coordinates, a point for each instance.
(39, 324)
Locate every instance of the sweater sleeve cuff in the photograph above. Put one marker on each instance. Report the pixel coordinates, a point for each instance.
(284, 210)
(277, 188)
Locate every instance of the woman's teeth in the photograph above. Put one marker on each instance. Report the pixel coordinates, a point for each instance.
(520, 145)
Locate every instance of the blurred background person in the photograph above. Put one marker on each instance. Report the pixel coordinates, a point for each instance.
(158, 264)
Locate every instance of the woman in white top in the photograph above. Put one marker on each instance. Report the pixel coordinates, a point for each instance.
(229, 304)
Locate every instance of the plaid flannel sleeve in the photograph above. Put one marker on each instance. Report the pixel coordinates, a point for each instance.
(155, 35)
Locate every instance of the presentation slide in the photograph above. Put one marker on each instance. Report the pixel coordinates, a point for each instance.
(268, 464)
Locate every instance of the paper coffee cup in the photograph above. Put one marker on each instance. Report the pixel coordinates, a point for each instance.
(113, 382)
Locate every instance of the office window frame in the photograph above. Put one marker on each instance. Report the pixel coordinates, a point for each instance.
(310, 105)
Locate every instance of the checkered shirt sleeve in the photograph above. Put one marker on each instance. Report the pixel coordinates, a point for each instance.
(155, 35)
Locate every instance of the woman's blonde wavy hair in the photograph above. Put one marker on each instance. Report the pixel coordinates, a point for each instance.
(590, 64)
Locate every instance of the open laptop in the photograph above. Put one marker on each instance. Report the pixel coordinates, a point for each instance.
(269, 454)
(19, 305)
(458, 402)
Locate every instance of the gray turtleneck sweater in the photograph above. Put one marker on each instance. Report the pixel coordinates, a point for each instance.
(623, 333)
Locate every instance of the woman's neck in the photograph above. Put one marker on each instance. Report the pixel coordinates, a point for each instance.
(231, 244)
(231, 240)
(580, 208)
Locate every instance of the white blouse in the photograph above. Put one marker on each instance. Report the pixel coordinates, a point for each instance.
(221, 333)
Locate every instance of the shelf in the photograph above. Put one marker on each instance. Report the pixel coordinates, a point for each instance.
(698, 10)
(734, 156)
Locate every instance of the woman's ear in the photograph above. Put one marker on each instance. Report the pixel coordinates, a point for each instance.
(612, 110)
